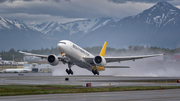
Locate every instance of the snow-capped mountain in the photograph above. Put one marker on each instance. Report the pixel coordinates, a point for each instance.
(161, 15)
(157, 17)
(16, 34)
(69, 30)
(45, 27)
(6, 24)
(156, 26)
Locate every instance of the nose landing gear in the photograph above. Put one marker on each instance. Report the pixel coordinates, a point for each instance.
(69, 71)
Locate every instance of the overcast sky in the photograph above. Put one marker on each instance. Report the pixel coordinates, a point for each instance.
(37, 11)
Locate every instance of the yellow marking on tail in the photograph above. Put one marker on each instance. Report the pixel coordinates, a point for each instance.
(102, 53)
(103, 50)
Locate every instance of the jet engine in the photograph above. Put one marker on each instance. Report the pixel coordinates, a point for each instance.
(99, 60)
(53, 60)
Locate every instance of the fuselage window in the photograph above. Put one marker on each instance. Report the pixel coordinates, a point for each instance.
(62, 42)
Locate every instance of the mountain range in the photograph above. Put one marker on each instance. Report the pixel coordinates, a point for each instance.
(72, 30)
(16, 34)
(156, 26)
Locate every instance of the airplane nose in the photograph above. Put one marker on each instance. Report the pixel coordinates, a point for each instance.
(60, 47)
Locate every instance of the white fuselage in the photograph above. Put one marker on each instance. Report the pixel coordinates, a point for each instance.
(75, 53)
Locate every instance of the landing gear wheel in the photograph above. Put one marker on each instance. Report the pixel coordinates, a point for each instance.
(67, 71)
(70, 71)
(95, 72)
(69, 66)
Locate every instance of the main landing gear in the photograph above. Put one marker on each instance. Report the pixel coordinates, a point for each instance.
(95, 71)
(69, 71)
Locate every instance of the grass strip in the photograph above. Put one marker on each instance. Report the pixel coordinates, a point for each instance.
(10, 90)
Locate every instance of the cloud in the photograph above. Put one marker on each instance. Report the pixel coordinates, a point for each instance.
(51, 10)
(74, 9)
(11, 1)
(38, 18)
(2, 1)
(173, 2)
(142, 1)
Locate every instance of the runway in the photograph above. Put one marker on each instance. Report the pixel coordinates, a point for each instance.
(150, 95)
(96, 81)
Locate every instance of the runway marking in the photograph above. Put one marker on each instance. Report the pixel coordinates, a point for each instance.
(90, 96)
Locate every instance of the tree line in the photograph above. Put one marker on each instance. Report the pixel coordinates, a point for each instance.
(131, 50)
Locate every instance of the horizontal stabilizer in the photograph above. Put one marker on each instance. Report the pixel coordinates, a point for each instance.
(117, 67)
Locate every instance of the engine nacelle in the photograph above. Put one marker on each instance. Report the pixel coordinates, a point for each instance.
(53, 60)
(99, 60)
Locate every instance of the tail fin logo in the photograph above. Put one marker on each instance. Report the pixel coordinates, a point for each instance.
(103, 50)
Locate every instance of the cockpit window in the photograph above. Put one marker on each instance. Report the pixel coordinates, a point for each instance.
(62, 42)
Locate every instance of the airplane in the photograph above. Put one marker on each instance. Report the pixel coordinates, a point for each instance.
(24, 70)
(5, 62)
(16, 70)
(72, 54)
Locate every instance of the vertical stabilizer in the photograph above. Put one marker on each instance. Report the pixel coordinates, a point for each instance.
(103, 50)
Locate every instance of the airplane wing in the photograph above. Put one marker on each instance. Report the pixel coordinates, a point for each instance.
(37, 55)
(63, 59)
(123, 58)
(116, 66)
